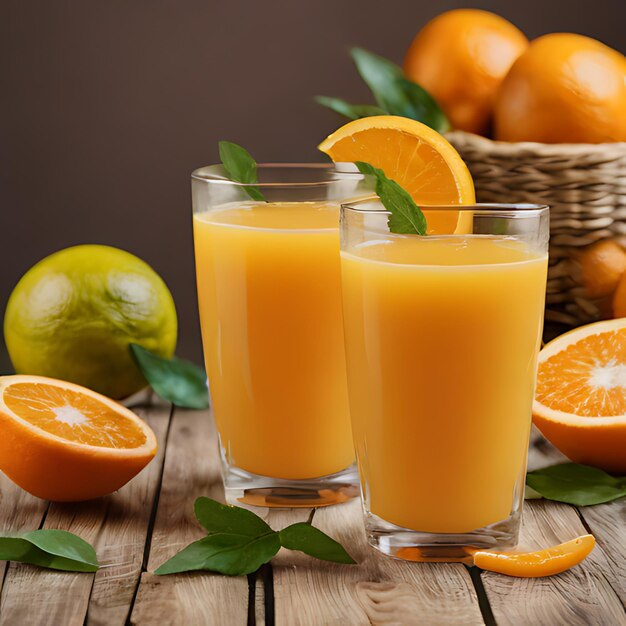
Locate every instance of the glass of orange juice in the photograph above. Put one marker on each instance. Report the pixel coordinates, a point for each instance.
(269, 291)
(442, 334)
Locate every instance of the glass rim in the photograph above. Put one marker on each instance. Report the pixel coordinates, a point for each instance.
(202, 174)
(514, 209)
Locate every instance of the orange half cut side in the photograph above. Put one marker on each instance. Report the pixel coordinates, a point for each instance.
(580, 401)
(64, 442)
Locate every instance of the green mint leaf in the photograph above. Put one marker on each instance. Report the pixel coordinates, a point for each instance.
(238, 162)
(239, 542)
(314, 542)
(240, 167)
(351, 111)
(423, 107)
(382, 77)
(225, 518)
(180, 382)
(406, 217)
(53, 549)
(233, 555)
(395, 94)
(63, 544)
(576, 484)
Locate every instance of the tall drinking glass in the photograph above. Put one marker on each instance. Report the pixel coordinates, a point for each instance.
(442, 334)
(269, 291)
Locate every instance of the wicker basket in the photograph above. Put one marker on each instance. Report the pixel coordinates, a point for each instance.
(585, 187)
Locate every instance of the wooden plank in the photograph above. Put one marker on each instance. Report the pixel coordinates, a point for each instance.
(117, 526)
(607, 522)
(377, 590)
(122, 539)
(196, 599)
(581, 596)
(259, 601)
(192, 469)
(19, 512)
(604, 521)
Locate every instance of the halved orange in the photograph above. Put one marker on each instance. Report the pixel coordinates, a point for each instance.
(580, 402)
(540, 563)
(418, 158)
(60, 441)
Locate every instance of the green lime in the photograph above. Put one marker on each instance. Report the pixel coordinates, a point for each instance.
(73, 315)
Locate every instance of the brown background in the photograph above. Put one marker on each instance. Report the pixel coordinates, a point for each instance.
(106, 107)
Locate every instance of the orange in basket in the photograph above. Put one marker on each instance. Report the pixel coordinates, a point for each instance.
(565, 88)
(461, 57)
(602, 266)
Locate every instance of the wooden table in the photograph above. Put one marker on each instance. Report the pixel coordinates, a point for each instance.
(150, 519)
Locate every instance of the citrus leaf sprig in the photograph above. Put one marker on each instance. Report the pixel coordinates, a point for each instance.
(178, 381)
(580, 485)
(240, 167)
(393, 92)
(351, 111)
(405, 218)
(239, 542)
(52, 549)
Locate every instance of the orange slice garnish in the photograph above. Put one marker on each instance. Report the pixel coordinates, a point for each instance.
(580, 401)
(60, 441)
(540, 563)
(414, 155)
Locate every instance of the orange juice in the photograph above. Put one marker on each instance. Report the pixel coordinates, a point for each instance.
(270, 309)
(442, 335)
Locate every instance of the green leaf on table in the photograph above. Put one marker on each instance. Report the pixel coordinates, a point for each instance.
(240, 167)
(53, 549)
(225, 518)
(351, 111)
(180, 382)
(395, 93)
(230, 554)
(406, 217)
(576, 484)
(312, 541)
(239, 542)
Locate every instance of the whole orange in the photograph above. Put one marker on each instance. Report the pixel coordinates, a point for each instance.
(460, 57)
(565, 88)
(619, 298)
(602, 266)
